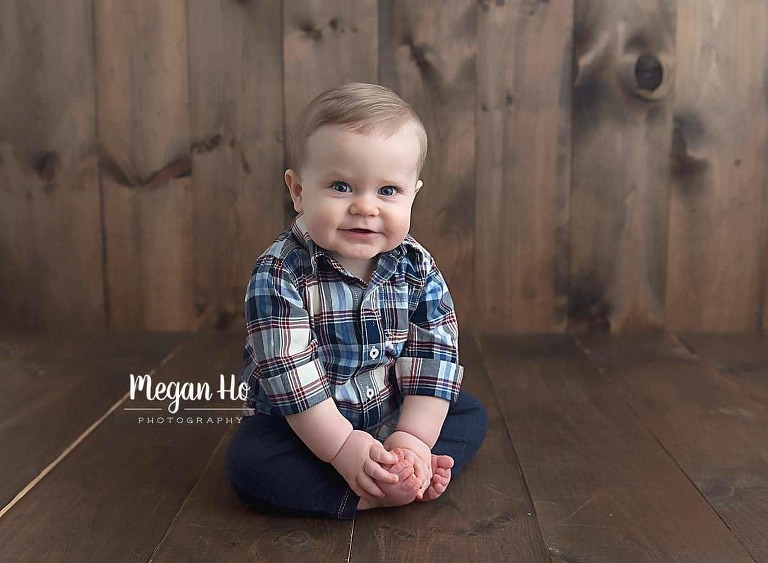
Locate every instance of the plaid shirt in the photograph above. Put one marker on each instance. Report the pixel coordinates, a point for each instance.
(317, 331)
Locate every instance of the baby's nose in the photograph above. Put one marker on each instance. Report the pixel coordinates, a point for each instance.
(364, 206)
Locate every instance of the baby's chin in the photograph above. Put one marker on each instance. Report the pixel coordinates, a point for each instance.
(367, 255)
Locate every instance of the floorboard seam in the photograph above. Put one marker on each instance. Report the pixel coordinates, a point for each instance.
(351, 537)
(176, 516)
(534, 513)
(76, 443)
(712, 365)
(626, 391)
(684, 344)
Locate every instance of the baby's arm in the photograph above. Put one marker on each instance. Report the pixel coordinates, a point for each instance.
(419, 426)
(423, 416)
(356, 455)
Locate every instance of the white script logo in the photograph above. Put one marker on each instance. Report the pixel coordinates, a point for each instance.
(176, 391)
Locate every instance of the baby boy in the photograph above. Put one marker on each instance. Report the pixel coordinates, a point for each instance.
(351, 353)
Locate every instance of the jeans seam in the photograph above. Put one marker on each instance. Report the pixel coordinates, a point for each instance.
(343, 504)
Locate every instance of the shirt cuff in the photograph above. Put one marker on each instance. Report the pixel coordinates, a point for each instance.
(430, 377)
(297, 390)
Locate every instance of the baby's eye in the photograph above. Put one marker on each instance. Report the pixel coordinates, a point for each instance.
(388, 191)
(342, 187)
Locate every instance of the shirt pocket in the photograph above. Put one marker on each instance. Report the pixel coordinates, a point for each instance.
(396, 316)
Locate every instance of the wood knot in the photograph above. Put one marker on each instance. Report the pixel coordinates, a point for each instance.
(207, 145)
(310, 31)
(225, 320)
(646, 76)
(419, 55)
(648, 72)
(687, 135)
(587, 306)
(246, 165)
(296, 538)
(181, 168)
(718, 491)
(48, 166)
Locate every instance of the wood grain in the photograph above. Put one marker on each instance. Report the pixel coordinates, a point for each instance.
(72, 380)
(113, 497)
(214, 525)
(717, 262)
(712, 430)
(603, 488)
(50, 228)
(485, 515)
(622, 118)
(140, 178)
(740, 358)
(325, 44)
(144, 138)
(522, 165)
(430, 57)
(235, 78)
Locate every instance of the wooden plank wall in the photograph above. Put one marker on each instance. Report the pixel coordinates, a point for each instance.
(51, 269)
(720, 178)
(620, 174)
(593, 164)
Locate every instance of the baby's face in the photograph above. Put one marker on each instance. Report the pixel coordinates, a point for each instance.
(356, 192)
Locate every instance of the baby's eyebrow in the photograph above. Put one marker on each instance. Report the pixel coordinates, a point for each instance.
(336, 175)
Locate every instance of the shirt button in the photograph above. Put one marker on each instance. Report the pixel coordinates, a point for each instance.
(369, 392)
(374, 353)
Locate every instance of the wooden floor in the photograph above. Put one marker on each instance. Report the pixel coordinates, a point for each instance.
(601, 448)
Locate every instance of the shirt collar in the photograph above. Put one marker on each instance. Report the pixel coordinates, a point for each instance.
(316, 252)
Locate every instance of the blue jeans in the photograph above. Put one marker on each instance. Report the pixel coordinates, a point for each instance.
(272, 470)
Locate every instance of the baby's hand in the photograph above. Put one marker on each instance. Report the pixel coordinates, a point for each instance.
(359, 462)
(417, 452)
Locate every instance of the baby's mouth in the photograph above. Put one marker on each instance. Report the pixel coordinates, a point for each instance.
(361, 231)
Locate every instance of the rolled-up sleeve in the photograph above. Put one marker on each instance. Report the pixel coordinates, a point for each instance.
(281, 342)
(429, 362)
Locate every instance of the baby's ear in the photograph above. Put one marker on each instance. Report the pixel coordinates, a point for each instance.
(293, 182)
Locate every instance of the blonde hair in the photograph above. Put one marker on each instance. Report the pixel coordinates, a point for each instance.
(361, 108)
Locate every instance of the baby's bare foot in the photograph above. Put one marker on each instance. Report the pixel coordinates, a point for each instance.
(397, 494)
(404, 491)
(441, 476)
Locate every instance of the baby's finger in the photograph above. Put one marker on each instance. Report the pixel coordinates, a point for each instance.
(378, 453)
(376, 471)
(369, 487)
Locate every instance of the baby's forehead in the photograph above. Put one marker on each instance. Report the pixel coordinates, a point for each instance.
(385, 130)
(344, 139)
(340, 151)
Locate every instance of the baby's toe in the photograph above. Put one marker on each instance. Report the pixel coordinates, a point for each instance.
(441, 482)
(433, 492)
(412, 483)
(442, 462)
(442, 472)
(403, 469)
